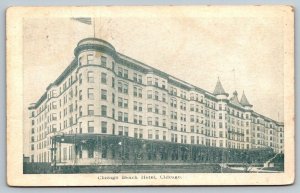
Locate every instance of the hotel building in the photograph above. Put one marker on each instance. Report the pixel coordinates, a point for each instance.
(103, 93)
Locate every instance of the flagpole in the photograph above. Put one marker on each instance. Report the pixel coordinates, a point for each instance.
(234, 78)
(94, 24)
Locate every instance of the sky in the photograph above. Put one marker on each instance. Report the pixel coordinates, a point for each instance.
(246, 53)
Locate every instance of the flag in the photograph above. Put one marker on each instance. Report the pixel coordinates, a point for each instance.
(85, 20)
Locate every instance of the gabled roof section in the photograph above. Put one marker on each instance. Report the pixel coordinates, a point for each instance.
(244, 100)
(219, 90)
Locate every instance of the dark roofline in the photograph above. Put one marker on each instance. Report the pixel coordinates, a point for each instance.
(236, 106)
(268, 119)
(41, 99)
(177, 81)
(66, 72)
(60, 78)
(97, 39)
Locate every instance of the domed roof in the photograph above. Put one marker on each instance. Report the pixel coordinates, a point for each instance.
(94, 43)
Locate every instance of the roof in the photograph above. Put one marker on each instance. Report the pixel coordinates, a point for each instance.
(219, 90)
(234, 100)
(244, 101)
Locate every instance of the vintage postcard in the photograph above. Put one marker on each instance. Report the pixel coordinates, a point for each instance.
(150, 96)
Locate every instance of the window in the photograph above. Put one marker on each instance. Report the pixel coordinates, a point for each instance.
(140, 133)
(113, 66)
(149, 107)
(135, 106)
(90, 109)
(113, 98)
(113, 113)
(149, 94)
(172, 137)
(220, 125)
(156, 134)
(135, 119)
(163, 84)
(220, 115)
(140, 120)
(164, 135)
(113, 82)
(135, 93)
(135, 77)
(164, 111)
(125, 131)
(125, 103)
(135, 133)
(125, 90)
(156, 109)
(103, 78)
(140, 78)
(120, 87)
(90, 126)
(103, 61)
(80, 127)
(90, 93)
(192, 139)
(90, 58)
(125, 73)
(140, 93)
(173, 103)
(125, 117)
(90, 76)
(103, 110)
(120, 71)
(113, 129)
(103, 94)
(156, 82)
(164, 97)
(164, 123)
(149, 80)
(103, 127)
(120, 116)
(192, 118)
(156, 95)
(120, 129)
(80, 78)
(121, 102)
(150, 134)
(80, 111)
(156, 121)
(140, 106)
(149, 120)
(192, 129)
(80, 95)
(220, 133)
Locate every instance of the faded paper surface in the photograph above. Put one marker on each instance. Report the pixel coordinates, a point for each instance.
(249, 47)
